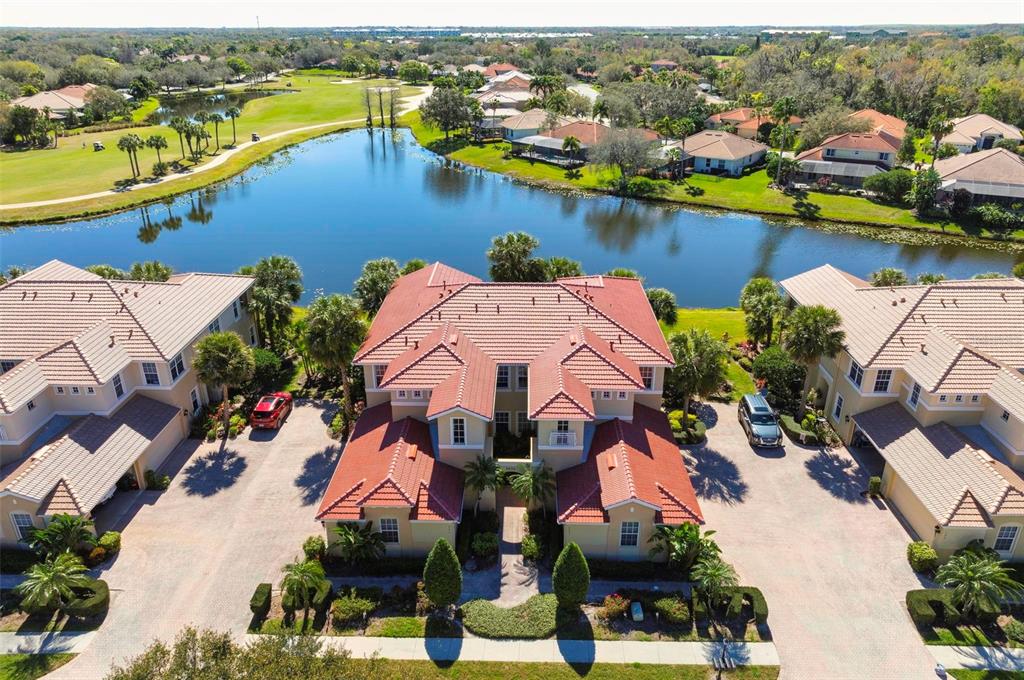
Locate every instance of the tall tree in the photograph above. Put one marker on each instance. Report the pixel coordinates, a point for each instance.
(761, 304)
(223, 359)
(216, 119)
(713, 577)
(887, 277)
(374, 282)
(782, 111)
(700, 365)
(334, 329)
(446, 109)
(300, 581)
(277, 286)
(938, 127)
(663, 302)
(813, 332)
(511, 259)
(157, 142)
(481, 476)
(571, 147)
(50, 586)
(979, 582)
(234, 113)
(570, 577)
(130, 144)
(628, 151)
(150, 270)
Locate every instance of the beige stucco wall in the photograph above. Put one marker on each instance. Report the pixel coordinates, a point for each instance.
(1009, 433)
(896, 491)
(601, 541)
(613, 408)
(406, 410)
(156, 453)
(373, 396)
(476, 438)
(414, 538)
(9, 504)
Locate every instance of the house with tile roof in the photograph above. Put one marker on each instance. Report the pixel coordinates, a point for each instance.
(882, 122)
(566, 374)
(60, 103)
(745, 121)
(494, 70)
(96, 380)
(990, 176)
(849, 158)
(932, 377)
(980, 131)
(718, 152)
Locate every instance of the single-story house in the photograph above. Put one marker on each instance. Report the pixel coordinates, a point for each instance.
(991, 176)
(840, 156)
(663, 65)
(509, 99)
(549, 150)
(721, 153)
(980, 131)
(499, 69)
(60, 102)
(529, 123)
(474, 68)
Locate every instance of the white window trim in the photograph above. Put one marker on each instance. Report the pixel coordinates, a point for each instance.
(195, 399)
(508, 384)
(398, 531)
(156, 369)
(523, 371)
(1013, 544)
(654, 376)
(523, 424)
(910, 396)
(508, 417)
(850, 380)
(451, 433)
(874, 382)
(58, 389)
(622, 534)
(17, 527)
(837, 407)
(184, 369)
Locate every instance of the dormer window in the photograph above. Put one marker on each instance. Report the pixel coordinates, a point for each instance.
(503, 380)
(378, 374)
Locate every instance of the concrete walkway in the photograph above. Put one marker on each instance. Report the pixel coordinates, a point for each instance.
(44, 643)
(556, 651)
(410, 103)
(979, 658)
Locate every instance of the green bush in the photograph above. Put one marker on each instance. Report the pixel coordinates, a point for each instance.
(267, 372)
(746, 364)
(351, 608)
(1014, 630)
(91, 601)
(672, 610)
(797, 432)
(156, 482)
(784, 378)
(740, 594)
(570, 579)
(322, 596)
(314, 547)
(96, 557)
(387, 566)
(337, 425)
(875, 486)
(696, 434)
(259, 603)
(485, 544)
(922, 605)
(110, 541)
(922, 557)
(534, 619)
(442, 575)
(530, 548)
(613, 607)
(893, 186)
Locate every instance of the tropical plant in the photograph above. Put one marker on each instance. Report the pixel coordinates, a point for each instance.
(64, 533)
(938, 127)
(927, 278)
(150, 270)
(700, 366)
(334, 328)
(1018, 270)
(571, 147)
(442, 575)
(50, 586)
(413, 265)
(357, 544)
(535, 485)
(887, 277)
(812, 332)
(179, 124)
(300, 581)
(374, 283)
(761, 304)
(684, 545)
(481, 476)
(570, 578)
(233, 112)
(624, 273)
(562, 267)
(783, 109)
(511, 259)
(663, 302)
(713, 576)
(157, 142)
(277, 286)
(223, 359)
(923, 191)
(600, 110)
(131, 144)
(216, 119)
(978, 581)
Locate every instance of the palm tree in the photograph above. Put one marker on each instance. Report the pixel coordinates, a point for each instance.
(600, 110)
(51, 585)
(700, 364)
(979, 581)
(758, 104)
(300, 581)
(713, 576)
(481, 475)
(130, 144)
(782, 111)
(535, 485)
(335, 327)
(358, 544)
(180, 125)
(202, 118)
(233, 112)
(65, 533)
(571, 146)
(813, 332)
(761, 303)
(157, 142)
(545, 85)
(665, 126)
(216, 119)
(223, 359)
(684, 545)
(938, 127)
(277, 287)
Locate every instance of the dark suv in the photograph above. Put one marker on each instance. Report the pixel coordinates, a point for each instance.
(759, 421)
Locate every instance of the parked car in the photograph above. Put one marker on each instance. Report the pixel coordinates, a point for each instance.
(271, 411)
(98, 146)
(759, 421)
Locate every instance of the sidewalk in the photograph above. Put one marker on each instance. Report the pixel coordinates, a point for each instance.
(555, 651)
(44, 643)
(979, 658)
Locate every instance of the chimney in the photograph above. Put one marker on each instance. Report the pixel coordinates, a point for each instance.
(611, 345)
(573, 339)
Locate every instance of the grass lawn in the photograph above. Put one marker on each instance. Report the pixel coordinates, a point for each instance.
(965, 674)
(30, 666)
(73, 168)
(728, 320)
(145, 108)
(489, 670)
(972, 636)
(749, 193)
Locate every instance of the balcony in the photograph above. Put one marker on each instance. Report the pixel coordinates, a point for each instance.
(510, 447)
(562, 440)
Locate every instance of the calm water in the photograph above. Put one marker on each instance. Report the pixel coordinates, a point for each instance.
(190, 105)
(336, 202)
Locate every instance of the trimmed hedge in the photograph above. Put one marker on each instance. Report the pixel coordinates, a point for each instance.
(795, 432)
(535, 619)
(319, 599)
(627, 571)
(732, 601)
(91, 602)
(259, 603)
(922, 605)
(386, 566)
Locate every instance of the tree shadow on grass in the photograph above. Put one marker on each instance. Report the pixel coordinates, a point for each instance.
(717, 478)
(838, 475)
(693, 191)
(316, 473)
(441, 645)
(806, 209)
(214, 472)
(575, 639)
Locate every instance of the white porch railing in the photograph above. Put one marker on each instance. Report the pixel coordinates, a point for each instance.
(566, 439)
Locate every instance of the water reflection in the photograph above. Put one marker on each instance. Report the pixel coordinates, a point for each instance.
(188, 105)
(619, 223)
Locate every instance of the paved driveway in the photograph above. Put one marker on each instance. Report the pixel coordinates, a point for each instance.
(193, 554)
(832, 565)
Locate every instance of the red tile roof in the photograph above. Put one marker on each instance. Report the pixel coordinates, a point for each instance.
(636, 461)
(588, 132)
(882, 122)
(498, 69)
(861, 141)
(754, 124)
(392, 464)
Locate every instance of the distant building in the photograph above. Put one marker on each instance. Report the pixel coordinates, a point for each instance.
(991, 176)
(773, 34)
(980, 131)
(663, 65)
(878, 34)
(59, 102)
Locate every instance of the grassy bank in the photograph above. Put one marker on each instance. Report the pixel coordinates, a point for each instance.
(720, 323)
(490, 670)
(73, 168)
(749, 193)
(30, 666)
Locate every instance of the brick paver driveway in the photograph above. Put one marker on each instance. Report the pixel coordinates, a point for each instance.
(832, 565)
(193, 554)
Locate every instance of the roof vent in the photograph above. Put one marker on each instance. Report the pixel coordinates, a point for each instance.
(35, 294)
(903, 299)
(559, 297)
(415, 344)
(894, 303)
(410, 451)
(454, 339)
(136, 293)
(613, 461)
(611, 345)
(111, 340)
(72, 295)
(24, 294)
(573, 339)
(476, 307)
(923, 350)
(533, 299)
(90, 298)
(406, 338)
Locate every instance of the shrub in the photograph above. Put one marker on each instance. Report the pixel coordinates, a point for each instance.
(322, 596)
(922, 604)
(740, 594)
(91, 601)
(531, 548)
(485, 544)
(922, 557)
(96, 556)
(746, 364)
(796, 431)
(337, 425)
(643, 187)
(350, 608)
(267, 371)
(613, 607)
(783, 377)
(995, 216)
(672, 610)
(259, 603)
(1014, 630)
(893, 185)
(160, 168)
(314, 547)
(570, 578)
(663, 302)
(156, 482)
(534, 619)
(875, 486)
(442, 575)
(110, 541)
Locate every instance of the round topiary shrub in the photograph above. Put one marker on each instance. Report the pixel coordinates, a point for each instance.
(442, 575)
(314, 547)
(922, 557)
(110, 541)
(570, 578)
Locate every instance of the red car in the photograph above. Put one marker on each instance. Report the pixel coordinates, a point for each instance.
(272, 410)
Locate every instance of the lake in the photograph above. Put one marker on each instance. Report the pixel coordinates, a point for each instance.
(188, 105)
(335, 202)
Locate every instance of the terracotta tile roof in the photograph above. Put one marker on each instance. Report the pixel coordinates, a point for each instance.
(636, 461)
(721, 145)
(753, 124)
(882, 142)
(882, 122)
(976, 125)
(733, 116)
(586, 131)
(513, 323)
(392, 464)
(534, 119)
(92, 456)
(991, 165)
(957, 483)
(497, 69)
